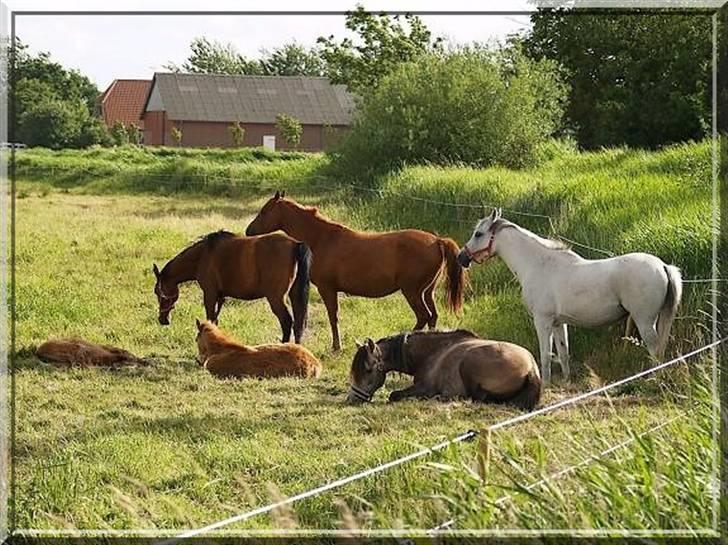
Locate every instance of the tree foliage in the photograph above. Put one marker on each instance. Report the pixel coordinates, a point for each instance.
(290, 129)
(641, 80)
(292, 59)
(213, 57)
(471, 106)
(382, 43)
(237, 132)
(54, 106)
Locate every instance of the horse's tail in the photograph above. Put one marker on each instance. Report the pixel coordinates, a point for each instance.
(300, 288)
(669, 308)
(530, 393)
(456, 278)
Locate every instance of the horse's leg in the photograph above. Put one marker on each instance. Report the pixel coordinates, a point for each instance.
(430, 302)
(220, 302)
(648, 332)
(209, 298)
(417, 303)
(561, 339)
(544, 330)
(284, 317)
(416, 391)
(331, 300)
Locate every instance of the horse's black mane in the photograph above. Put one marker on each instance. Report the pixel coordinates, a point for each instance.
(213, 238)
(397, 342)
(208, 240)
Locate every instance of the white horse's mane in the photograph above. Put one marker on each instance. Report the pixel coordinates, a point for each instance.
(548, 243)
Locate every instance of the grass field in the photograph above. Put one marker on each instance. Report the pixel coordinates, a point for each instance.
(168, 446)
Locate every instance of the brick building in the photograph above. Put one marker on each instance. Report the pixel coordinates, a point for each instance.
(124, 101)
(204, 106)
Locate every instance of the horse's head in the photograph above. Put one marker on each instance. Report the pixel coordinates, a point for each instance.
(167, 294)
(481, 245)
(367, 372)
(205, 330)
(269, 217)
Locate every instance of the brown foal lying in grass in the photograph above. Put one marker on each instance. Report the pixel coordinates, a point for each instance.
(224, 357)
(83, 353)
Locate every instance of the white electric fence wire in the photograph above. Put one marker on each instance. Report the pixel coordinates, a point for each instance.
(569, 469)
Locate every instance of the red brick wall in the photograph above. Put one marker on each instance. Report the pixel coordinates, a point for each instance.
(204, 134)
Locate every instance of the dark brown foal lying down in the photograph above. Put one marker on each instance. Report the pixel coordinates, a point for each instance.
(84, 354)
(447, 365)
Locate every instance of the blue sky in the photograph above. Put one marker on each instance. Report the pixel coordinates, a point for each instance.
(108, 47)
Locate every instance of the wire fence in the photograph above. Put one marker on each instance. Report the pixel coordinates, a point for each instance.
(567, 470)
(467, 436)
(325, 183)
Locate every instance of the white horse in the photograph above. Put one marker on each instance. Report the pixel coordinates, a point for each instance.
(561, 288)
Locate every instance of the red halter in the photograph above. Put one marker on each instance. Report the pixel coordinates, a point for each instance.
(486, 252)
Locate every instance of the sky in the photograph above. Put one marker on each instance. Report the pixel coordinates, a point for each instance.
(113, 46)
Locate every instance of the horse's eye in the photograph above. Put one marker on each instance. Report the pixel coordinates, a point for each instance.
(478, 234)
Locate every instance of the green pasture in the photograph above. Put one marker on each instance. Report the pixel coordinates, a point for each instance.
(166, 446)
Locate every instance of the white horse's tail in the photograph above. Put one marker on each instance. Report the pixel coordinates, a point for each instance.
(669, 308)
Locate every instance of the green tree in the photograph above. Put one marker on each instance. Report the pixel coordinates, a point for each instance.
(641, 80)
(472, 106)
(382, 43)
(134, 134)
(212, 57)
(119, 134)
(238, 133)
(292, 59)
(290, 128)
(47, 91)
(52, 123)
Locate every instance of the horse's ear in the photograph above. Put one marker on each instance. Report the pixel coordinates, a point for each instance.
(494, 214)
(283, 193)
(277, 196)
(358, 344)
(371, 345)
(199, 324)
(499, 212)
(155, 269)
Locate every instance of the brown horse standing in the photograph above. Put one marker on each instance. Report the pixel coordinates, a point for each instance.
(228, 265)
(367, 264)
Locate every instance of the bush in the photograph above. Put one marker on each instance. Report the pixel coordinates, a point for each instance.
(119, 134)
(55, 124)
(290, 129)
(237, 132)
(471, 106)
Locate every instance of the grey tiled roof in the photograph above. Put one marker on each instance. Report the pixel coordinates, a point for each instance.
(254, 99)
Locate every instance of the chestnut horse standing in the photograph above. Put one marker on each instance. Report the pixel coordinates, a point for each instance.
(367, 264)
(228, 265)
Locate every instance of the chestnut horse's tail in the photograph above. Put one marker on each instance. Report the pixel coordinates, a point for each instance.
(300, 288)
(456, 278)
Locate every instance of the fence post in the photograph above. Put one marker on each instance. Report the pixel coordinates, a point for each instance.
(484, 448)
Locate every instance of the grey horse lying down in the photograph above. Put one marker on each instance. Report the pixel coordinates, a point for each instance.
(447, 365)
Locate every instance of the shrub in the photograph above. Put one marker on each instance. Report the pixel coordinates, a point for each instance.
(134, 134)
(177, 135)
(472, 106)
(238, 134)
(119, 134)
(52, 123)
(290, 129)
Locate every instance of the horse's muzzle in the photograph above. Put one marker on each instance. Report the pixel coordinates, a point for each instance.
(357, 396)
(464, 259)
(250, 231)
(164, 319)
